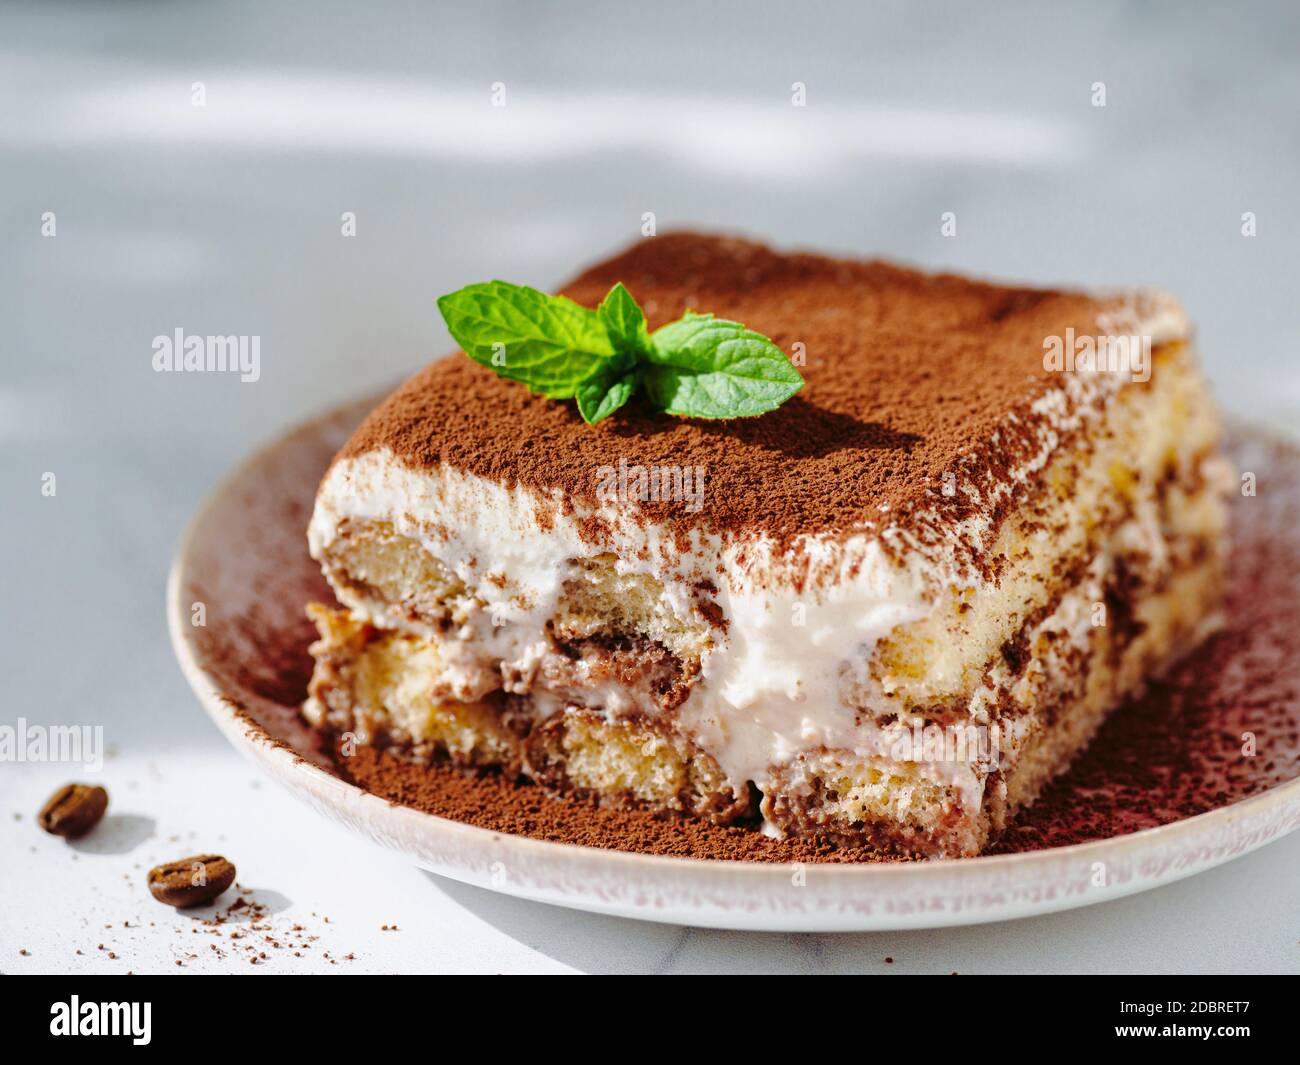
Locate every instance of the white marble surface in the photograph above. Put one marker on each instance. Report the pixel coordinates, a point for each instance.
(225, 219)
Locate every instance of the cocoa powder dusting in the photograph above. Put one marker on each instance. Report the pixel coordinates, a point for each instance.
(907, 376)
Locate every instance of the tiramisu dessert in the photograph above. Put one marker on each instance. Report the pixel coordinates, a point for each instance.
(956, 529)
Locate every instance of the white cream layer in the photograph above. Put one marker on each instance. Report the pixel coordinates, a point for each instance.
(770, 687)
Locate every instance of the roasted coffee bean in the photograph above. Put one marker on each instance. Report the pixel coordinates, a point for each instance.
(73, 810)
(191, 881)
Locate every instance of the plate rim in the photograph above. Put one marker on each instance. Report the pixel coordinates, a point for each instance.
(252, 740)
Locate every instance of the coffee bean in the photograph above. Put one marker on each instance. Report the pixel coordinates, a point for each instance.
(191, 881)
(73, 810)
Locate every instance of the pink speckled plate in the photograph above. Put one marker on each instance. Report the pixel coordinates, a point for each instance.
(244, 559)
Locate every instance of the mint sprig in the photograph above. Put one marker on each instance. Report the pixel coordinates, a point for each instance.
(697, 367)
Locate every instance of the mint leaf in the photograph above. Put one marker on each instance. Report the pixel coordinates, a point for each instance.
(624, 321)
(706, 367)
(700, 366)
(601, 394)
(547, 342)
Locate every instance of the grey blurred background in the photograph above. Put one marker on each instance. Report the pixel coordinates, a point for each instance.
(226, 219)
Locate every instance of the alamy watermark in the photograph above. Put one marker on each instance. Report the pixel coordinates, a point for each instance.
(80, 744)
(1098, 354)
(77, 1018)
(629, 482)
(192, 353)
(967, 743)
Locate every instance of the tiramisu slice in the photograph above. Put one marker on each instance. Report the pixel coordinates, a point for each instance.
(887, 612)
